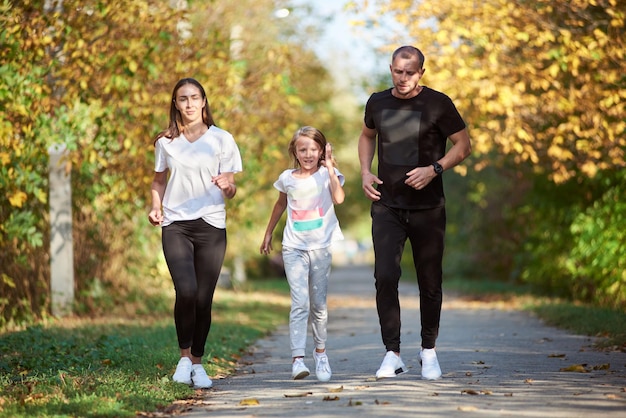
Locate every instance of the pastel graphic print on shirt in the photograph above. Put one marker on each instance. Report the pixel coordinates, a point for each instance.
(306, 212)
(311, 219)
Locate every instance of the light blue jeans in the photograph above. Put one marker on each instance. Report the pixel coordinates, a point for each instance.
(307, 273)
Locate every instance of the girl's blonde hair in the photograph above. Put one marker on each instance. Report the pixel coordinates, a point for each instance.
(314, 134)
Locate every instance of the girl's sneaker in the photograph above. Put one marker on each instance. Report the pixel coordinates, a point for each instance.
(322, 367)
(200, 378)
(299, 369)
(183, 371)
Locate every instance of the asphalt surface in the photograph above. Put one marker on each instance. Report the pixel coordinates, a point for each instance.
(496, 362)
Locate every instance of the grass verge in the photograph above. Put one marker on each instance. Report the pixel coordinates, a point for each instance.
(117, 367)
(607, 324)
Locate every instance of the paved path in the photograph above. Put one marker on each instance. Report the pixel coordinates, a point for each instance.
(496, 363)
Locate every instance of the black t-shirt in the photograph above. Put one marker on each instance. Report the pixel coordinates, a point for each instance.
(411, 133)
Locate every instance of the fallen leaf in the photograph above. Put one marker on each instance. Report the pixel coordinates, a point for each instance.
(529, 381)
(508, 394)
(363, 387)
(377, 402)
(355, 403)
(468, 374)
(611, 396)
(554, 355)
(470, 392)
(331, 398)
(249, 402)
(467, 408)
(486, 392)
(336, 390)
(575, 368)
(605, 366)
(298, 395)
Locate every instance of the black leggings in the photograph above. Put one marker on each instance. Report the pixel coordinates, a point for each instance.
(194, 251)
(425, 229)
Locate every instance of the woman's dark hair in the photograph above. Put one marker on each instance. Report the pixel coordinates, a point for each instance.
(176, 127)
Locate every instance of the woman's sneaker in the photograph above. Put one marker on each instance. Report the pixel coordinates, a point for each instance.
(430, 364)
(322, 367)
(183, 371)
(200, 378)
(391, 366)
(299, 369)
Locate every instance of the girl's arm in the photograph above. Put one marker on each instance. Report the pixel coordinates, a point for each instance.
(157, 191)
(336, 190)
(277, 212)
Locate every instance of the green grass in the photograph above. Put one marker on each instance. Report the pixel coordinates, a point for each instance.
(115, 367)
(582, 319)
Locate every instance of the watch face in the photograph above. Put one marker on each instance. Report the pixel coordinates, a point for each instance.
(438, 168)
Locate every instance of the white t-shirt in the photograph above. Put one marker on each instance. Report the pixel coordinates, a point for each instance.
(190, 194)
(311, 220)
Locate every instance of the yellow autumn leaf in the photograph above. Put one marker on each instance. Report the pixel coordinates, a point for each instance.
(249, 402)
(575, 368)
(17, 199)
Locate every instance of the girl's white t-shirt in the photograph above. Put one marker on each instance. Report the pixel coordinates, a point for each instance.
(311, 220)
(190, 194)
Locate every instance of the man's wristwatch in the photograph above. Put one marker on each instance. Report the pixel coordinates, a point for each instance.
(438, 168)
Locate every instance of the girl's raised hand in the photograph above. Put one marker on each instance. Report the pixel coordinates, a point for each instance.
(328, 156)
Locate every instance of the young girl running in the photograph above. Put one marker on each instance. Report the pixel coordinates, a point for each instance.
(309, 193)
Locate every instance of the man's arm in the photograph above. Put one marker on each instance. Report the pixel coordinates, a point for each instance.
(367, 148)
(419, 177)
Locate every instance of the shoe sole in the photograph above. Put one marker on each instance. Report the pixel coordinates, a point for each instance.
(301, 375)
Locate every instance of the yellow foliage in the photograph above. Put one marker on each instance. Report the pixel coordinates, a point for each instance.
(551, 71)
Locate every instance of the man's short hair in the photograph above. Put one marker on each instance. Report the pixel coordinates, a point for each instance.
(408, 51)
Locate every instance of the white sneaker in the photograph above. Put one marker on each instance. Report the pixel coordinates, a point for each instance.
(322, 367)
(299, 369)
(200, 378)
(430, 364)
(391, 366)
(183, 371)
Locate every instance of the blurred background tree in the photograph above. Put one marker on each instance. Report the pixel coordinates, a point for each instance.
(541, 85)
(97, 77)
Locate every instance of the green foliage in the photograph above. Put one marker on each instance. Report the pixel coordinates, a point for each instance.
(96, 78)
(597, 262)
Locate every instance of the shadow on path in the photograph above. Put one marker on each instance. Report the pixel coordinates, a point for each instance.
(495, 363)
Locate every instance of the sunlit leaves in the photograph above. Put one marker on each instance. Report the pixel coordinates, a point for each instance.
(563, 58)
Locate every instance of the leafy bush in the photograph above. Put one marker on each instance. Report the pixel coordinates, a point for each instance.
(597, 262)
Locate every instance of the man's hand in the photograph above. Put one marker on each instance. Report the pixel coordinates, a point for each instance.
(419, 177)
(368, 179)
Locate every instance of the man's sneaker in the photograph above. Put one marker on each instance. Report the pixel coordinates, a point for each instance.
(299, 369)
(200, 378)
(430, 364)
(183, 371)
(322, 367)
(391, 366)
